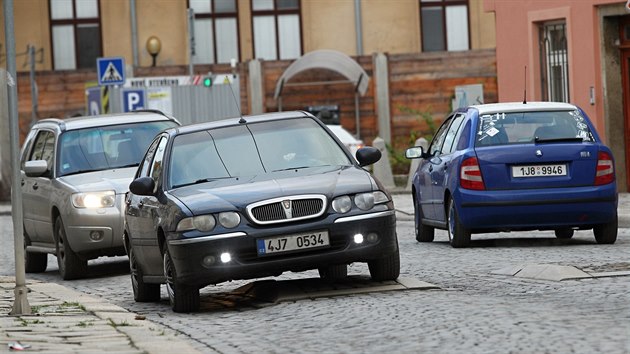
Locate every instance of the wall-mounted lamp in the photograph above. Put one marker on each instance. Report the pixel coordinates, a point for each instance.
(154, 45)
(591, 94)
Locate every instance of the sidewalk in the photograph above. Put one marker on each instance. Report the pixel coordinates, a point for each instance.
(67, 321)
(64, 320)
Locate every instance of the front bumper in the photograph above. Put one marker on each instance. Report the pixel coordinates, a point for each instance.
(188, 255)
(96, 232)
(550, 208)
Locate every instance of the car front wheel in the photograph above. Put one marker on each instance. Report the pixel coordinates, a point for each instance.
(183, 298)
(142, 292)
(386, 268)
(606, 233)
(71, 266)
(424, 233)
(458, 235)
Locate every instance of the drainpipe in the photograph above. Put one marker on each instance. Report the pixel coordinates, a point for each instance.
(358, 26)
(134, 33)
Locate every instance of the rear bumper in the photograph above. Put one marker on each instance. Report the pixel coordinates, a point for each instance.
(246, 264)
(537, 209)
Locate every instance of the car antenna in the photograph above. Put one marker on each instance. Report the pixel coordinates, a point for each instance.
(242, 120)
(525, 88)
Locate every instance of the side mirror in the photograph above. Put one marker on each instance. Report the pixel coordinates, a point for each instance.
(414, 152)
(35, 168)
(142, 186)
(368, 155)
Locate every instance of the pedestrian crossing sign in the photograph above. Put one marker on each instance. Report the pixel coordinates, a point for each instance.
(111, 71)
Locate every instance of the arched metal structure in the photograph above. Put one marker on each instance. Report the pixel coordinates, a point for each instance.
(330, 60)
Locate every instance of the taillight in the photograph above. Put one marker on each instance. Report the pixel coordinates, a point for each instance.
(470, 175)
(605, 169)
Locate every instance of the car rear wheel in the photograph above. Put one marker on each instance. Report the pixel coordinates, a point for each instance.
(424, 233)
(142, 292)
(34, 262)
(334, 272)
(565, 233)
(386, 268)
(183, 298)
(458, 235)
(606, 233)
(71, 266)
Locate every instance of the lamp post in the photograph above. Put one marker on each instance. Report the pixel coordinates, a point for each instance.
(154, 45)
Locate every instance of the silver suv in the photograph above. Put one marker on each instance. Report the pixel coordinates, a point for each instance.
(75, 173)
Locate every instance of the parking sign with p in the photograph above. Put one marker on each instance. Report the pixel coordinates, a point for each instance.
(133, 100)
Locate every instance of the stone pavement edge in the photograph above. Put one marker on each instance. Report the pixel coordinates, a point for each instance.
(66, 321)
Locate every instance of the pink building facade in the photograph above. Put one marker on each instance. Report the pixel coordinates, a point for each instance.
(569, 51)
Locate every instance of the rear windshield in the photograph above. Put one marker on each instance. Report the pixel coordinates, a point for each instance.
(529, 127)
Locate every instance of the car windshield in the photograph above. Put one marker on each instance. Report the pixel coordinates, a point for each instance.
(529, 127)
(107, 147)
(253, 149)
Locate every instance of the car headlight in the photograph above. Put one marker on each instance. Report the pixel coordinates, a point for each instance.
(103, 199)
(366, 201)
(342, 204)
(229, 219)
(203, 223)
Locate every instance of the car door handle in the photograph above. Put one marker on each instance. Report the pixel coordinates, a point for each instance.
(431, 168)
(35, 186)
(23, 181)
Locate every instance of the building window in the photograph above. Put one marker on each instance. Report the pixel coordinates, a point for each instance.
(554, 64)
(75, 33)
(216, 31)
(277, 29)
(444, 25)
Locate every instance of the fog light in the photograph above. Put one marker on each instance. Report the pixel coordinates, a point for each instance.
(225, 257)
(358, 238)
(372, 237)
(208, 261)
(96, 235)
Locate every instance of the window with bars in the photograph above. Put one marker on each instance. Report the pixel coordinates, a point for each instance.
(216, 31)
(554, 63)
(444, 25)
(75, 28)
(277, 29)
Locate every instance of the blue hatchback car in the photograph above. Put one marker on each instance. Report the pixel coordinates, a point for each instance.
(515, 167)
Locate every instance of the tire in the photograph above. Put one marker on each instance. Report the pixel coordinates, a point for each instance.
(34, 262)
(142, 292)
(183, 298)
(458, 235)
(564, 234)
(424, 233)
(386, 268)
(334, 272)
(71, 266)
(606, 234)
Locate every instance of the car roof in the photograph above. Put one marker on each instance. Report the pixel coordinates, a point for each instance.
(105, 120)
(523, 107)
(342, 134)
(237, 121)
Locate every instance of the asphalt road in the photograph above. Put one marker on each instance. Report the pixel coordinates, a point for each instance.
(474, 311)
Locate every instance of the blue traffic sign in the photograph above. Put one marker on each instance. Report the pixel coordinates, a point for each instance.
(111, 71)
(93, 101)
(133, 100)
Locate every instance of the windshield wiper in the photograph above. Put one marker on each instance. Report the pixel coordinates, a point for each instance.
(559, 140)
(129, 165)
(202, 180)
(293, 168)
(83, 171)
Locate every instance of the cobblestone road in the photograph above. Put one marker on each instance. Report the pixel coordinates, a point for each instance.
(475, 311)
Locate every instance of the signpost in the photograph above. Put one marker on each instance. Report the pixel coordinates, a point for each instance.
(133, 99)
(111, 71)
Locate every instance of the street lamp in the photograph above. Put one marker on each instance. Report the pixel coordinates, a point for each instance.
(153, 47)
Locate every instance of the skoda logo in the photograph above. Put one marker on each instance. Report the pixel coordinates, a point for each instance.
(538, 153)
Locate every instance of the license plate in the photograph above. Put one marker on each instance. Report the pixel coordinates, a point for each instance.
(539, 170)
(289, 243)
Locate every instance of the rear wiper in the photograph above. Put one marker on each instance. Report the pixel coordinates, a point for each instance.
(559, 140)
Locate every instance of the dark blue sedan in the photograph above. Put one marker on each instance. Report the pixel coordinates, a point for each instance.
(515, 167)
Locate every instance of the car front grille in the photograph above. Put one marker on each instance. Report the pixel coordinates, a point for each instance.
(286, 209)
